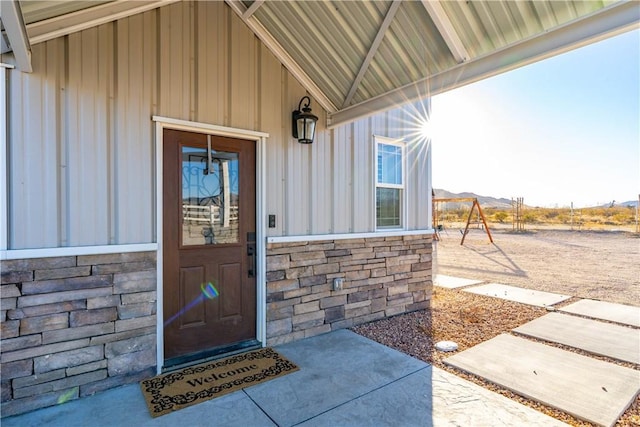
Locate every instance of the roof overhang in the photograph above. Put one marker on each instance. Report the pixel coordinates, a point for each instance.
(358, 58)
(593, 28)
(15, 35)
(82, 19)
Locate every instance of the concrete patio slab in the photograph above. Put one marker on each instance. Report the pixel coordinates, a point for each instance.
(341, 366)
(620, 313)
(433, 397)
(453, 282)
(343, 376)
(590, 389)
(512, 293)
(125, 406)
(605, 339)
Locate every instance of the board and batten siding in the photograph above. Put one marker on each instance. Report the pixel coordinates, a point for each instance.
(81, 137)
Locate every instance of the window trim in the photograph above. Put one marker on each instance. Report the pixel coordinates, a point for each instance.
(398, 142)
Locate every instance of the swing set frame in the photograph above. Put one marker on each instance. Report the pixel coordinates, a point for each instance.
(476, 205)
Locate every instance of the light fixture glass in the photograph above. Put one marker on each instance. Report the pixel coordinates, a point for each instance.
(303, 122)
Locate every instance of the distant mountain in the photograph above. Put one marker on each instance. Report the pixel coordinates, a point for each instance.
(485, 201)
(503, 203)
(630, 203)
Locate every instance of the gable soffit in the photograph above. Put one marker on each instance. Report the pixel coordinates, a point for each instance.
(357, 58)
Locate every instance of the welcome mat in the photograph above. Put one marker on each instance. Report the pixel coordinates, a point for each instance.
(197, 384)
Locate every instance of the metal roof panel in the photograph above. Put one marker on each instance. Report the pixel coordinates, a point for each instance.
(39, 10)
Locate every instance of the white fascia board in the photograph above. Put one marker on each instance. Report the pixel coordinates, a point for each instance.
(366, 235)
(87, 18)
(448, 33)
(17, 34)
(76, 251)
(283, 56)
(608, 22)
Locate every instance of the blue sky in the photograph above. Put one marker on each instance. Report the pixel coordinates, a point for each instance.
(562, 130)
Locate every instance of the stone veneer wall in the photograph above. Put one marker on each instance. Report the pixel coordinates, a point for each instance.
(383, 277)
(75, 325)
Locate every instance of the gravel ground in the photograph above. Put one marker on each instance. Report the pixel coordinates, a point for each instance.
(585, 264)
(596, 265)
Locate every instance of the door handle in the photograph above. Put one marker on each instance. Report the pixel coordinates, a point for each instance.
(251, 252)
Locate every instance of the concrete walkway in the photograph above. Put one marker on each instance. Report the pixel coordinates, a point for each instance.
(588, 388)
(344, 379)
(619, 313)
(596, 337)
(451, 282)
(521, 295)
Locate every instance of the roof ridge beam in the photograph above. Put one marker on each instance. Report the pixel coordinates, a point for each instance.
(17, 34)
(446, 30)
(252, 9)
(391, 13)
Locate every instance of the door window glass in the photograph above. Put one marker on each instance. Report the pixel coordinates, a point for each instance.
(209, 197)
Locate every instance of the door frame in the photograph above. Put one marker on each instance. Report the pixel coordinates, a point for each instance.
(260, 138)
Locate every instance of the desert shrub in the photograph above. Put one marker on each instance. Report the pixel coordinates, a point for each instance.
(624, 218)
(551, 214)
(500, 216)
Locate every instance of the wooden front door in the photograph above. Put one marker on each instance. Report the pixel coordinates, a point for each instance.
(209, 257)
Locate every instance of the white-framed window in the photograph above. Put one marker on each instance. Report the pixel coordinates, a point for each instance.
(390, 182)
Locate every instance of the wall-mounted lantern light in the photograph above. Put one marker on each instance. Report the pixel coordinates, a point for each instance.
(303, 122)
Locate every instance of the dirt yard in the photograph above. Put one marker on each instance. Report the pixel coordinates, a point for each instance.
(584, 264)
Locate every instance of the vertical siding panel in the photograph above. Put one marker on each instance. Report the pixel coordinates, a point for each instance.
(105, 128)
(101, 159)
(31, 158)
(421, 179)
(341, 203)
(398, 129)
(18, 217)
(49, 151)
(175, 81)
(395, 123)
(136, 150)
(321, 177)
(412, 184)
(357, 221)
(243, 76)
(133, 151)
(88, 144)
(418, 171)
(316, 180)
(152, 46)
(363, 186)
(72, 155)
(125, 45)
(379, 125)
(212, 60)
(272, 122)
(27, 158)
(150, 77)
